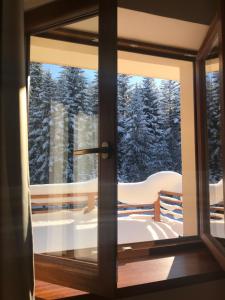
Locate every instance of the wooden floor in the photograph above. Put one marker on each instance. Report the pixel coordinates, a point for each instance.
(48, 291)
(168, 270)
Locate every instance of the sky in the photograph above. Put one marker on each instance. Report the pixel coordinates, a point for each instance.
(56, 69)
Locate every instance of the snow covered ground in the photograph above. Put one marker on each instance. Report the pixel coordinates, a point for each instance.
(68, 229)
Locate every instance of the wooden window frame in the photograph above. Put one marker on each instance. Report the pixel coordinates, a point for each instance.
(43, 22)
(217, 28)
(65, 35)
(83, 275)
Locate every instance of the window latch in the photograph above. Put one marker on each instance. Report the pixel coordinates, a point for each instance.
(104, 151)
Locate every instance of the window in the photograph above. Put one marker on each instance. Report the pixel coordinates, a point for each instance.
(78, 186)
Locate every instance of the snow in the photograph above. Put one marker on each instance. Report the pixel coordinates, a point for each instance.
(146, 192)
(217, 228)
(216, 192)
(75, 230)
(66, 230)
(89, 186)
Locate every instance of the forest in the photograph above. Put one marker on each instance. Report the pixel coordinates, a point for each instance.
(63, 117)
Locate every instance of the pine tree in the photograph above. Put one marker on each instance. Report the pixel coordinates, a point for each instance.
(170, 124)
(90, 166)
(150, 97)
(35, 126)
(48, 96)
(42, 92)
(93, 96)
(214, 127)
(72, 93)
(136, 140)
(64, 117)
(123, 102)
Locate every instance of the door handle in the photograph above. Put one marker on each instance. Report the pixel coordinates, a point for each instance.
(104, 150)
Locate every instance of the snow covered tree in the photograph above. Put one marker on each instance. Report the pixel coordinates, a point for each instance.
(136, 140)
(123, 102)
(214, 127)
(170, 125)
(72, 93)
(34, 131)
(64, 116)
(150, 95)
(48, 96)
(150, 99)
(42, 91)
(93, 102)
(39, 110)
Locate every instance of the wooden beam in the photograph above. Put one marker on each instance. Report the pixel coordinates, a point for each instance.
(58, 13)
(89, 38)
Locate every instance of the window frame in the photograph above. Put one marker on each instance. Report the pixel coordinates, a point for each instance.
(87, 276)
(164, 52)
(217, 27)
(37, 25)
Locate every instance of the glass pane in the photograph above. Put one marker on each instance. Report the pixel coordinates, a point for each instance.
(156, 141)
(149, 158)
(214, 127)
(63, 117)
(156, 156)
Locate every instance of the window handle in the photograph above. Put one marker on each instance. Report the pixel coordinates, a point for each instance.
(104, 150)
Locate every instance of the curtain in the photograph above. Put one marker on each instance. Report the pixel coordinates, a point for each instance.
(16, 253)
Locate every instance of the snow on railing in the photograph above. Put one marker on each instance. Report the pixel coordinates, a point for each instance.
(169, 203)
(159, 195)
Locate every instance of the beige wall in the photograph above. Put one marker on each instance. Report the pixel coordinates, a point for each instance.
(83, 56)
(188, 150)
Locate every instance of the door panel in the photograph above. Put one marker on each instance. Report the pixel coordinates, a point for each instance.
(211, 146)
(72, 144)
(214, 141)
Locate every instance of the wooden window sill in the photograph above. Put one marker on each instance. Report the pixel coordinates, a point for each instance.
(155, 272)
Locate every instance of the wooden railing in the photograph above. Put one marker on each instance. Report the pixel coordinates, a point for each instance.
(168, 197)
(38, 206)
(217, 212)
(154, 210)
(70, 202)
(127, 209)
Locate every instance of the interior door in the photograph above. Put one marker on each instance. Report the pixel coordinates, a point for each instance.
(211, 146)
(74, 202)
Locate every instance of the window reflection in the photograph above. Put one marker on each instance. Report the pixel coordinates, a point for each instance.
(214, 145)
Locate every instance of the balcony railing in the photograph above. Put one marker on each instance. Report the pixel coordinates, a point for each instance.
(168, 204)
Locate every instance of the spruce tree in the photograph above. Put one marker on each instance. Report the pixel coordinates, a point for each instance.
(123, 102)
(72, 93)
(42, 92)
(35, 126)
(87, 122)
(214, 127)
(150, 97)
(137, 141)
(48, 96)
(170, 124)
